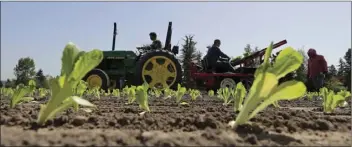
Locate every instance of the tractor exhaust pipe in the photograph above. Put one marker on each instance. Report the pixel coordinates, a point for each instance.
(168, 37)
(114, 37)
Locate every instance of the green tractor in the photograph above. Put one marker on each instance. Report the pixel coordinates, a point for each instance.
(157, 67)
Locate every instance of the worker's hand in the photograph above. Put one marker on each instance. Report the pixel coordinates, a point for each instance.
(322, 74)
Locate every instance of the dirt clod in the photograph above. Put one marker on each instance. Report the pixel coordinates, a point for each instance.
(79, 120)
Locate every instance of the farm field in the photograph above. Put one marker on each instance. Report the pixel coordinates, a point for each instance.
(204, 122)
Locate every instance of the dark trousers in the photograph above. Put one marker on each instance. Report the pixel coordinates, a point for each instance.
(315, 83)
(222, 67)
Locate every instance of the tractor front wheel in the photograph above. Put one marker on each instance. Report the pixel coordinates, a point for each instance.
(97, 78)
(160, 69)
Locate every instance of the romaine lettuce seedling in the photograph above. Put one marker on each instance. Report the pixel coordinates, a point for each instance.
(331, 100)
(194, 94)
(32, 84)
(347, 95)
(265, 89)
(42, 92)
(81, 88)
(225, 94)
(131, 94)
(8, 92)
(75, 65)
(239, 94)
(180, 93)
(125, 91)
(168, 93)
(310, 95)
(142, 96)
(116, 92)
(20, 92)
(211, 93)
(107, 93)
(157, 92)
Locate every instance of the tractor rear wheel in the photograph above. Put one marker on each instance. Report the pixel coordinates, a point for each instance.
(97, 78)
(160, 69)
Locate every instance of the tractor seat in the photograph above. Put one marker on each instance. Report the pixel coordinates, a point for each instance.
(205, 66)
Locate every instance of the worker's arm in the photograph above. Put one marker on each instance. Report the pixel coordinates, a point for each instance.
(308, 69)
(324, 65)
(222, 55)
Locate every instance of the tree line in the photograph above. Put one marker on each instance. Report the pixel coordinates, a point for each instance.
(25, 71)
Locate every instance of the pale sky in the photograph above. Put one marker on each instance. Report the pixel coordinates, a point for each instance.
(40, 30)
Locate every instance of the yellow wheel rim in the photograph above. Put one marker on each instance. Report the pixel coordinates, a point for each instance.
(159, 72)
(94, 81)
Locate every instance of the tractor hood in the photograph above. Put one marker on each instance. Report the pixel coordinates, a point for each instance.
(119, 54)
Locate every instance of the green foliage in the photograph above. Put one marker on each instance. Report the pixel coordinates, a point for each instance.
(142, 96)
(334, 84)
(81, 88)
(180, 93)
(239, 93)
(211, 93)
(156, 92)
(116, 92)
(75, 65)
(10, 83)
(41, 80)
(301, 72)
(310, 95)
(20, 92)
(265, 89)
(168, 93)
(189, 53)
(224, 94)
(131, 94)
(24, 70)
(347, 69)
(331, 100)
(194, 94)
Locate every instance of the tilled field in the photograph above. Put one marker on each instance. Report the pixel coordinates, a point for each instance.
(202, 123)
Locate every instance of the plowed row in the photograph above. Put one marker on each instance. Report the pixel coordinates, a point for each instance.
(202, 123)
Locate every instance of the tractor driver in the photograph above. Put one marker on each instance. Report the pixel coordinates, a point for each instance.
(156, 43)
(215, 61)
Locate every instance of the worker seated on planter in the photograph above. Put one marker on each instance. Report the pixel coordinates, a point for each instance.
(217, 60)
(156, 44)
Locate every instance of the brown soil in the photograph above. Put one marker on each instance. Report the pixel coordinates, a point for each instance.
(202, 123)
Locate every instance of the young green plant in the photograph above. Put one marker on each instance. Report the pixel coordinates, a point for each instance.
(265, 89)
(331, 100)
(116, 93)
(225, 95)
(194, 94)
(168, 93)
(20, 92)
(75, 65)
(211, 93)
(180, 93)
(142, 97)
(131, 94)
(238, 95)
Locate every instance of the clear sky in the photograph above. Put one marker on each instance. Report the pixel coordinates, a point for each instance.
(41, 29)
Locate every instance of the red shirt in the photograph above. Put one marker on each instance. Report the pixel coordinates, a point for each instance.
(316, 65)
